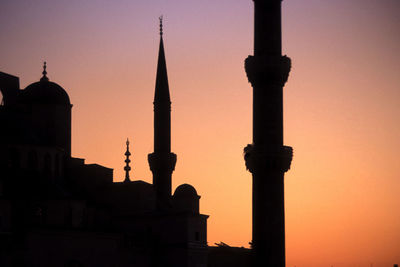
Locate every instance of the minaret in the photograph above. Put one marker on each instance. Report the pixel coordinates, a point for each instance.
(127, 168)
(162, 161)
(267, 158)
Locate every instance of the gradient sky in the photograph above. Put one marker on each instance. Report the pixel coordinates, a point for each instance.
(341, 108)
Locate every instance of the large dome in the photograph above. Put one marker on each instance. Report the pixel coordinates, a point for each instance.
(45, 92)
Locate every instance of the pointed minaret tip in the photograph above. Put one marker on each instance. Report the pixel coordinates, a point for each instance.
(161, 25)
(162, 88)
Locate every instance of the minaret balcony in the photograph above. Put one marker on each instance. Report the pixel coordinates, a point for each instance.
(162, 161)
(278, 159)
(267, 69)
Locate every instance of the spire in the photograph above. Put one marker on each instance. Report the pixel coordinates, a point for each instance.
(162, 161)
(162, 88)
(44, 78)
(127, 168)
(161, 25)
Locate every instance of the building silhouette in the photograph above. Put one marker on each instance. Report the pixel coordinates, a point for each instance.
(55, 210)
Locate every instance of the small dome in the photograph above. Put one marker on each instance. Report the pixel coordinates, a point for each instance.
(185, 190)
(45, 92)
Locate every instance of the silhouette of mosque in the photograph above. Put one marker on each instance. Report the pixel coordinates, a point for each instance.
(55, 210)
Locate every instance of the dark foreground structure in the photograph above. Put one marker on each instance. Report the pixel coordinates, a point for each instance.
(267, 158)
(57, 211)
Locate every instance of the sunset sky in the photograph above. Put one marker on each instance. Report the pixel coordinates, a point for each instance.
(341, 108)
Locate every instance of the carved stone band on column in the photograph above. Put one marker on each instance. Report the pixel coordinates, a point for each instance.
(279, 159)
(162, 161)
(267, 69)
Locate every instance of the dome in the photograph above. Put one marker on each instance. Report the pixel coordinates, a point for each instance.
(45, 92)
(185, 190)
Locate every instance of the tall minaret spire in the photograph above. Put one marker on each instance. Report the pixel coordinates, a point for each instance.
(161, 96)
(162, 161)
(127, 168)
(267, 158)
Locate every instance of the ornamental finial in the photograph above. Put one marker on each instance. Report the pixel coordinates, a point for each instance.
(161, 25)
(44, 78)
(127, 168)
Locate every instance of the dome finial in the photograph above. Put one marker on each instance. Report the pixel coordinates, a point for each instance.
(127, 168)
(44, 78)
(161, 25)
